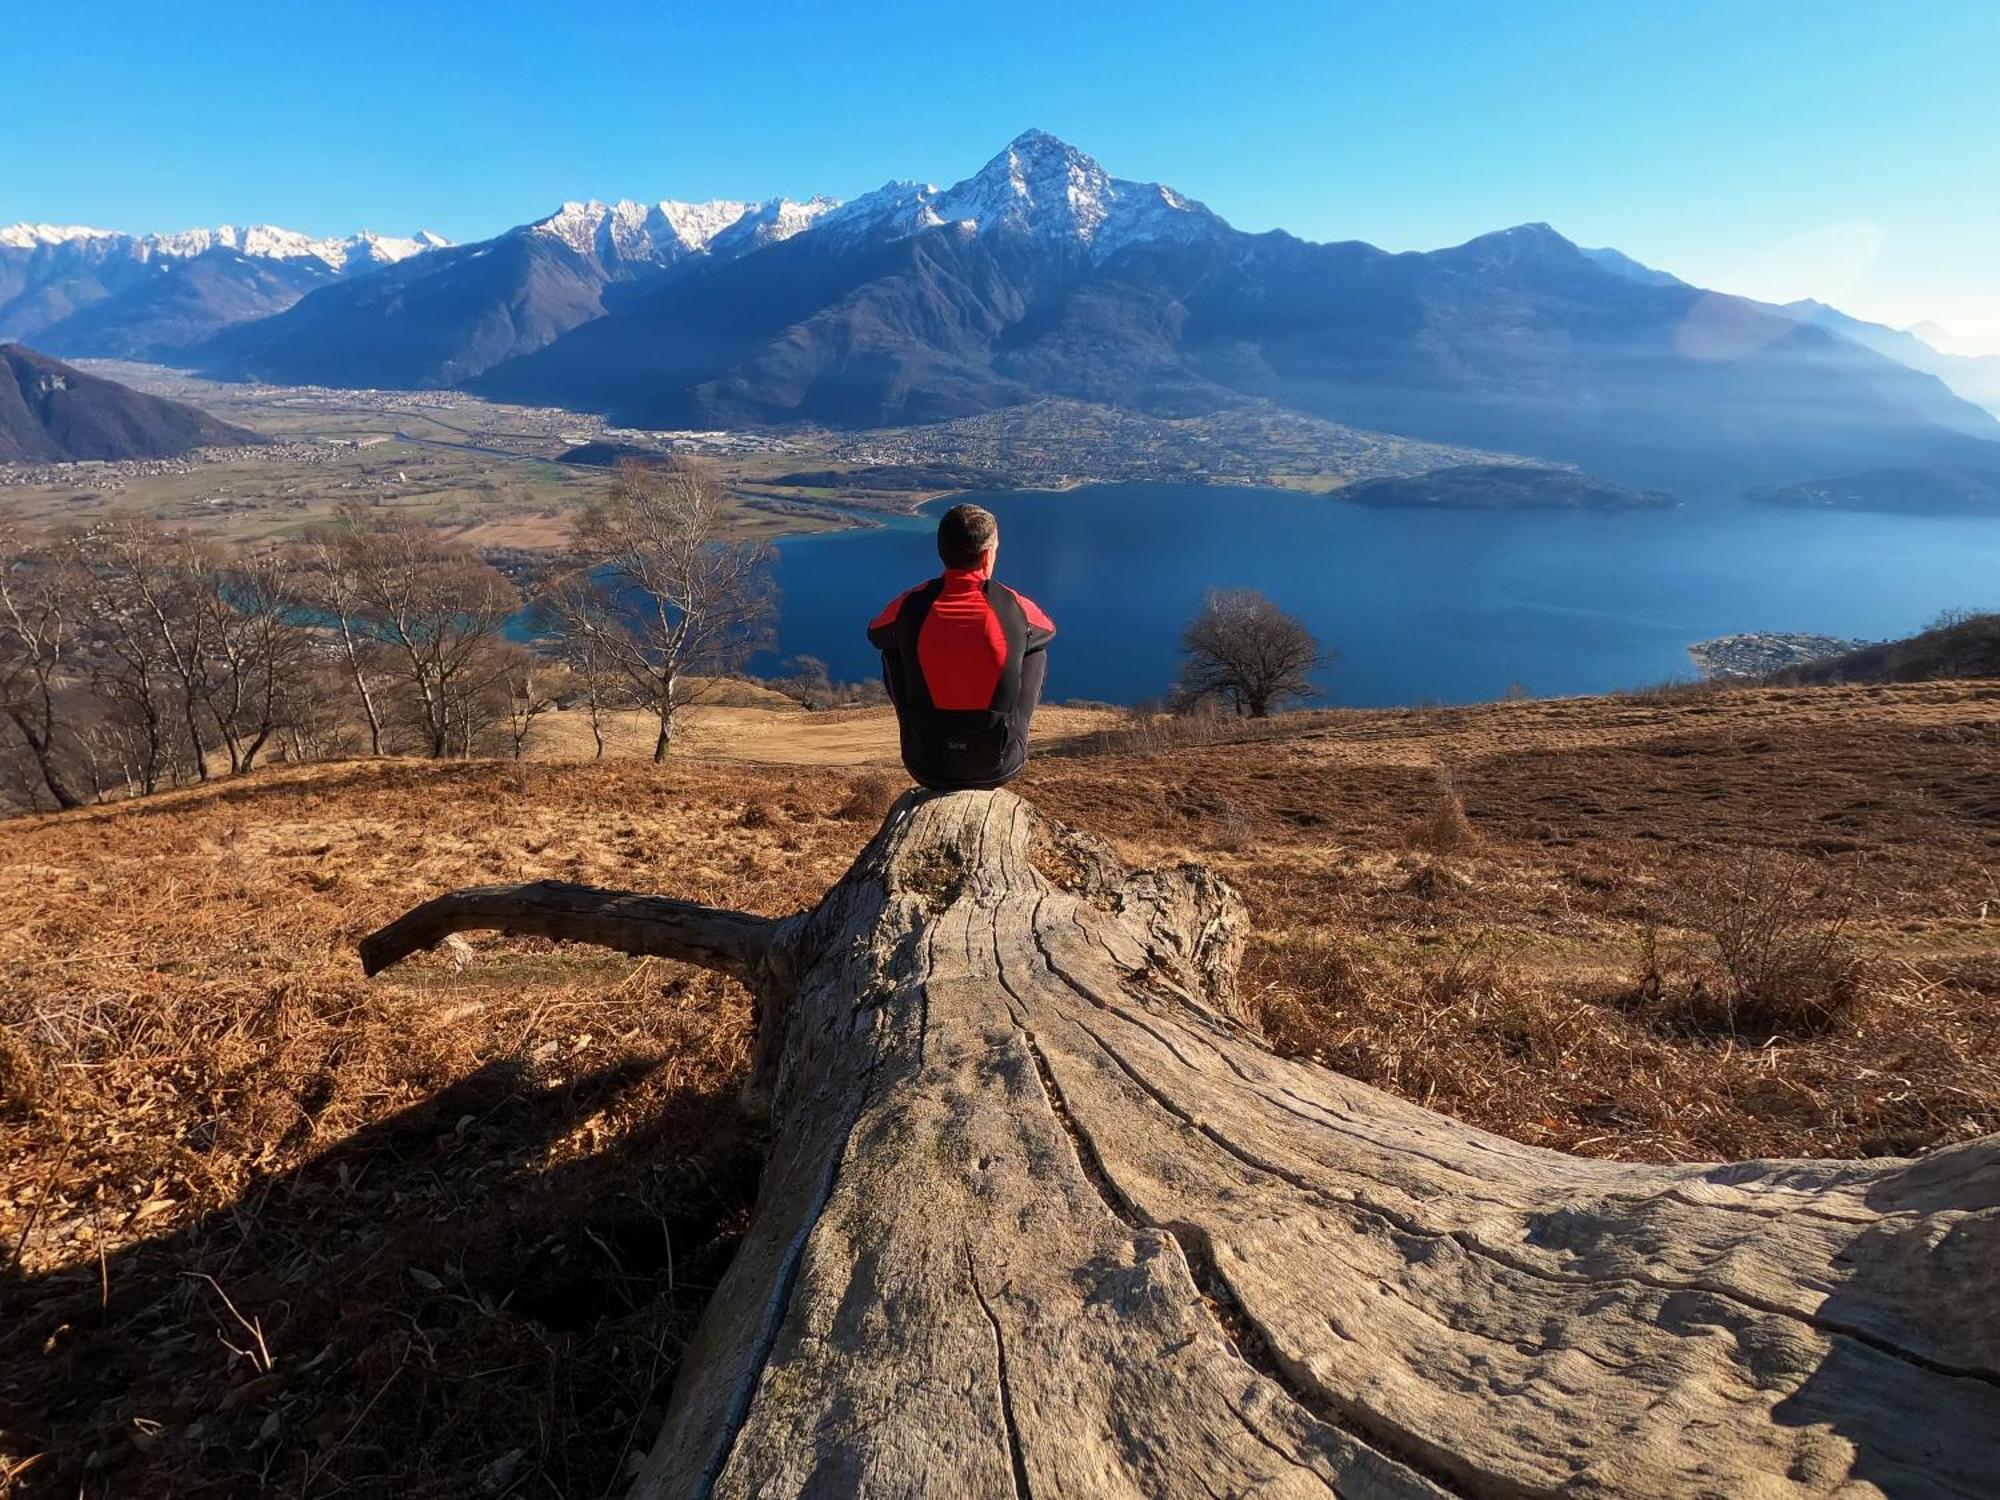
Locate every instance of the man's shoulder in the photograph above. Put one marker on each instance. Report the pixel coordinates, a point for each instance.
(895, 606)
(1036, 615)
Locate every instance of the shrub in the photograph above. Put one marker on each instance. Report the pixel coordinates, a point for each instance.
(1231, 833)
(1444, 829)
(21, 1077)
(1768, 952)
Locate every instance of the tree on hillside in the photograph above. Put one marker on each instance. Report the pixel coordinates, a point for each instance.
(138, 594)
(1242, 650)
(330, 578)
(132, 680)
(522, 681)
(659, 591)
(40, 603)
(252, 646)
(579, 614)
(438, 611)
(176, 617)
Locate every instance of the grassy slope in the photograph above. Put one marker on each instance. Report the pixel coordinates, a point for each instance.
(470, 1211)
(1966, 648)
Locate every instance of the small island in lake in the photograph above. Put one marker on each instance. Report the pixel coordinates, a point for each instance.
(1502, 487)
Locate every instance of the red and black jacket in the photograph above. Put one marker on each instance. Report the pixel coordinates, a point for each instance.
(963, 660)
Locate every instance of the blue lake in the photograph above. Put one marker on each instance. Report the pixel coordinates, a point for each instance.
(1450, 606)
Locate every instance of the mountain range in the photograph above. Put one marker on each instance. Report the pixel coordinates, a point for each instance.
(50, 412)
(443, 318)
(1043, 275)
(79, 291)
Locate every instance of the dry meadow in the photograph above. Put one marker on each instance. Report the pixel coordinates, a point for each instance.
(272, 1226)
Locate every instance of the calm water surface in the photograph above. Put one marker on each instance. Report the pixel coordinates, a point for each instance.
(1422, 606)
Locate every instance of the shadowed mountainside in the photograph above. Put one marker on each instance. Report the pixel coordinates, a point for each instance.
(50, 412)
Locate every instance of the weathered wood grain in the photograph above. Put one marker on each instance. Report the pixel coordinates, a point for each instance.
(1041, 1217)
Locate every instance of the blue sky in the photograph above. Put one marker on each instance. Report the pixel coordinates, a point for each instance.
(1849, 151)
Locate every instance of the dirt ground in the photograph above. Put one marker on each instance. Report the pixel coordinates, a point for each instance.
(274, 1227)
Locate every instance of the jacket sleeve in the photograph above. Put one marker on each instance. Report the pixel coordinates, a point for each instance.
(1041, 629)
(882, 629)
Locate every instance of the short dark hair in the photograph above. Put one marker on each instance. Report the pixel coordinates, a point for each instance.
(964, 533)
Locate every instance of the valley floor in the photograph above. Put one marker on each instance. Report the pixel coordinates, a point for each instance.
(273, 1226)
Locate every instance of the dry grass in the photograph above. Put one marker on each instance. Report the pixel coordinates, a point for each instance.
(1495, 979)
(468, 1210)
(1141, 731)
(275, 1227)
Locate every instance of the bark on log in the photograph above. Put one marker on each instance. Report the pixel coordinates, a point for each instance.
(1040, 1217)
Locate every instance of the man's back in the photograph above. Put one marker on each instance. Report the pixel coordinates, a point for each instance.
(964, 660)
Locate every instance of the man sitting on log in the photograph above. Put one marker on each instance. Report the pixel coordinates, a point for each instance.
(964, 658)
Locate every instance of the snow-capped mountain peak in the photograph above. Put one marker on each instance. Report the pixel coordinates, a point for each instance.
(694, 225)
(1038, 185)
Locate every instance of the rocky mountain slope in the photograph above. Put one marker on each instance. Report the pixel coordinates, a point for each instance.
(50, 412)
(1976, 377)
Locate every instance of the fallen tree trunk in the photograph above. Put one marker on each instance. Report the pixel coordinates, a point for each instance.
(1041, 1217)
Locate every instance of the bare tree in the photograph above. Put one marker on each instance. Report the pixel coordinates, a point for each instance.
(523, 676)
(174, 614)
(39, 606)
(1243, 650)
(312, 717)
(251, 644)
(579, 613)
(331, 580)
(139, 586)
(661, 591)
(437, 609)
(129, 677)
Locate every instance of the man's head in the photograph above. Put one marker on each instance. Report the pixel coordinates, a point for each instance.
(968, 536)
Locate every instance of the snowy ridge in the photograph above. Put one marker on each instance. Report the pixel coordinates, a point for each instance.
(264, 241)
(661, 233)
(895, 209)
(1039, 186)
(769, 222)
(29, 236)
